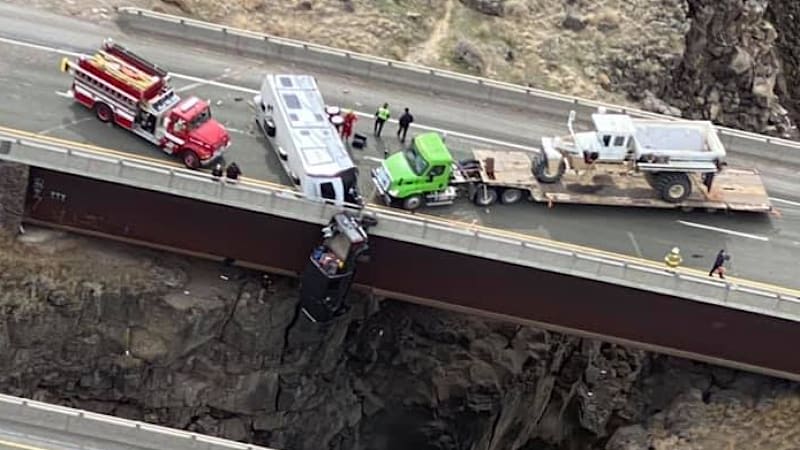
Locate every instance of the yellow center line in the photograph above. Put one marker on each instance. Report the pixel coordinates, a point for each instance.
(436, 219)
(21, 446)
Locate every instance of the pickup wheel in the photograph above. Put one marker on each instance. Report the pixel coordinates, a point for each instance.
(269, 128)
(510, 196)
(485, 196)
(190, 159)
(673, 187)
(412, 203)
(103, 112)
(542, 172)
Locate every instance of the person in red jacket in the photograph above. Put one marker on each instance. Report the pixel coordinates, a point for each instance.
(350, 119)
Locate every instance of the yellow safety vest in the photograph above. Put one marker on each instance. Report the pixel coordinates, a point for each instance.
(383, 113)
(673, 260)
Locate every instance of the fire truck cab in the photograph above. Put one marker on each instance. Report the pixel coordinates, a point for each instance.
(123, 88)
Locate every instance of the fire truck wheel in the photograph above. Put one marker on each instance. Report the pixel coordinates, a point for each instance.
(485, 196)
(412, 203)
(190, 159)
(103, 112)
(674, 187)
(510, 196)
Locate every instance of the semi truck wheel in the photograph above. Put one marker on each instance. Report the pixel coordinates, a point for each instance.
(510, 196)
(412, 203)
(190, 159)
(485, 196)
(674, 187)
(543, 174)
(103, 112)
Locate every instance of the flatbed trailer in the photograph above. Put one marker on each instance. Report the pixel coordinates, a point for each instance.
(733, 189)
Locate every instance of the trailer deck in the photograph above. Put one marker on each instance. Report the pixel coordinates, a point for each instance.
(733, 189)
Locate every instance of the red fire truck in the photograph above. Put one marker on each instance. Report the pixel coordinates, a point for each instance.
(135, 94)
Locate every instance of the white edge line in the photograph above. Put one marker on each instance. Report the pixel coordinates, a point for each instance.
(723, 230)
(784, 201)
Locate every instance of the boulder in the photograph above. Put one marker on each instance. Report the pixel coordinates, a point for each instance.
(489, 7)
(468, 54)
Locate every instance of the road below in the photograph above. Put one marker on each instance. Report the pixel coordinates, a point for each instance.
(763, 247)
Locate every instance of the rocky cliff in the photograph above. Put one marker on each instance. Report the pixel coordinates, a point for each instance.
(730, 67)
(201, 346)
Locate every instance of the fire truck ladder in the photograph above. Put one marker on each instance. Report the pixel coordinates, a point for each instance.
(122, 71)
(140, 63)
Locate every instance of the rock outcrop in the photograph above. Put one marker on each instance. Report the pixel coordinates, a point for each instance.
(13, 187)
(785, 17)
(730, 67)
(200, 346)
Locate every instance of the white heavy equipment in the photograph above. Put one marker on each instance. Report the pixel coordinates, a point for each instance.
(666, 152)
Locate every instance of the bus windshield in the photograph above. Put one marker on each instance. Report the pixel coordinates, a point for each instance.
(415, 160)
(201, 118)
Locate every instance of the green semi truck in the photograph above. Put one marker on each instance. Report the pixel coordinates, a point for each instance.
(426, 174)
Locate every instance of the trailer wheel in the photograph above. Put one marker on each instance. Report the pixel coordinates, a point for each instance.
(674, 187)
(412, 203)
(542, 172)
(103, 112)
(510, 196)
(190, 159)
(485, 196)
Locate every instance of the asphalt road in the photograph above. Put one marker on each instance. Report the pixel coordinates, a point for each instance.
(763, 248)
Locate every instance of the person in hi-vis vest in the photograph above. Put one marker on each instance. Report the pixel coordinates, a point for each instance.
(381, 116)
(673, 259)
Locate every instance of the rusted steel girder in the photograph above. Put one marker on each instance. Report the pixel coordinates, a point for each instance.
(425, 275)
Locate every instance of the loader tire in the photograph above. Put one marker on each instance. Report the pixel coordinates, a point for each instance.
(542, 173)
(651, 178)
(673, 187)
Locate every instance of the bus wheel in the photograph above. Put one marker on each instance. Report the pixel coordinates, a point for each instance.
(190, 159)
(103, 112)
(412, 203)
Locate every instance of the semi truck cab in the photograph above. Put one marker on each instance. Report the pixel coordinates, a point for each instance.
(422, 171)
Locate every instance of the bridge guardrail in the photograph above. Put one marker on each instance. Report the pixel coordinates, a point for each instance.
(109, 428)
(399, 225)
(417, 76)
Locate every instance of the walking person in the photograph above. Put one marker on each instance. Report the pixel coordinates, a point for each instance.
(350, 120)
(719, 264)
(216, 172)
(404, 121)
(381, 116)
(673, 259)
(232, 172)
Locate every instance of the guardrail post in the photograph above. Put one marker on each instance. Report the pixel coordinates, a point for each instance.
(121, 168)
(728, 289)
